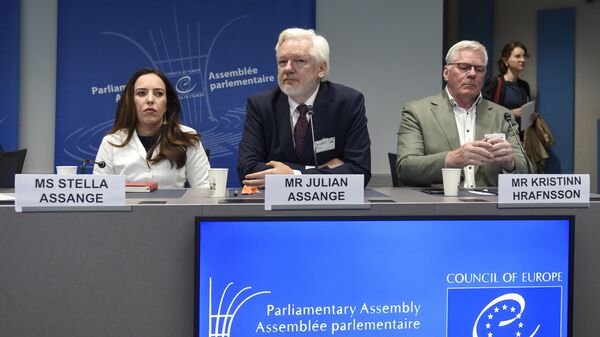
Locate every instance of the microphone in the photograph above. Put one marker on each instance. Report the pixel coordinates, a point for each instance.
(310, 112)
(100, 164)
(508, 119)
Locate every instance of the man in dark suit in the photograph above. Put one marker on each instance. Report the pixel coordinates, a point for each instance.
(458, 128)
(277, 132)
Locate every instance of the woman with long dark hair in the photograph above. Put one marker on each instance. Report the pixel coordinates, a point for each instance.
(147, 141)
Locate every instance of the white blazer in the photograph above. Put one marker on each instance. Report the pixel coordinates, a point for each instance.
(130, 161)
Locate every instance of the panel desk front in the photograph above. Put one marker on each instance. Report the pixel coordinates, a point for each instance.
(131, 273)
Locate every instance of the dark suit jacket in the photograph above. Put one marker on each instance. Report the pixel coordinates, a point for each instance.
(428, 132)
(339, 112)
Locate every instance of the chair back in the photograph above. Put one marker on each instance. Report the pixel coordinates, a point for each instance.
(11, 163)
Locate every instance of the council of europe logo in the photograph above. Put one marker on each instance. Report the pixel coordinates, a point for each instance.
(219, 321)
(499, 312)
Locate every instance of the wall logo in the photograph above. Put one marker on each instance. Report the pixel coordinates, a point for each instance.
(188, 69)
(498, 312)
(184, 85)
(219, 321)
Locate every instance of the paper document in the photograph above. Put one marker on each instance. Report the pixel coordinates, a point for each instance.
(481, 193)
(7, 197)
(527, 111)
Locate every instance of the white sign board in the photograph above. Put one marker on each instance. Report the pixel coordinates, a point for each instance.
(543, 190)
(317, 190)
(51, 190)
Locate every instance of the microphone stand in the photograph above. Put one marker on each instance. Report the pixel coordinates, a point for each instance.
(508, 119)
(312, 133)
(100, 164)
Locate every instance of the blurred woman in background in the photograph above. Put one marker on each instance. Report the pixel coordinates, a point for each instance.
(507, 89)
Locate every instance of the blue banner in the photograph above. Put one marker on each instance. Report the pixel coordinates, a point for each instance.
(450, 278)
(9, 68)
(216, 53)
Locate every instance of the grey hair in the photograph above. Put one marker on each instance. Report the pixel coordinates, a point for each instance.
(320, 49)
(466, 45)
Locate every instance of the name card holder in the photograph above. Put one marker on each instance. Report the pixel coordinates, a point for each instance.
(60, 193)
(315, 191)
(543, 190)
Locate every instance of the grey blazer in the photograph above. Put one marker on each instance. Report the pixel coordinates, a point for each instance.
(428, 132)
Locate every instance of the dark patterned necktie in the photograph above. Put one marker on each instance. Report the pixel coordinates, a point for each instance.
(300, 129)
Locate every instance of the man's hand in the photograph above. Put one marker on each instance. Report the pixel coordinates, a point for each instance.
(502, 152)
(258, 178)
(473, 153)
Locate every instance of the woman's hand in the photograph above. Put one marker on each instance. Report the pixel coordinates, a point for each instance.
(517, 112)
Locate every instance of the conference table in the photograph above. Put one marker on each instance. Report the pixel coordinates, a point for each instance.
(130, 271)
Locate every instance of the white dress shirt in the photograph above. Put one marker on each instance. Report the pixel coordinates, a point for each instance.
(294, 115)
(130, 161)
(465, 123)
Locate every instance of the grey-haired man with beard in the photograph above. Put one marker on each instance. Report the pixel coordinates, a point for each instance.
(277, 132)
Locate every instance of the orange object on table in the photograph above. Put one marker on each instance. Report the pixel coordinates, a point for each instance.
(249, 189)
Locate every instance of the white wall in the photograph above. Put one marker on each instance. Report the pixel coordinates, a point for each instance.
(389, 50)
(521, 24)
(37, 87)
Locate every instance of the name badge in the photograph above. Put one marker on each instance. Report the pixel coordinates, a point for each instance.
(325, 144)
(283, 191)
(51, 190)
(543, 190)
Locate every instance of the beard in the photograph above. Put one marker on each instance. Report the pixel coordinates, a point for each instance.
(297, 90)
(292, 92)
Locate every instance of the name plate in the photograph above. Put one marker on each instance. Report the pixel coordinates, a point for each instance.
(51, 190)
(313, 190)
(543, 190)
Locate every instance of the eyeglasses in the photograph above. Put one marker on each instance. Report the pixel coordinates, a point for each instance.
(465, 67)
